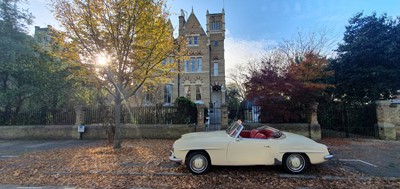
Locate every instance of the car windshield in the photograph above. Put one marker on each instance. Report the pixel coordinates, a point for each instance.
(234, 129)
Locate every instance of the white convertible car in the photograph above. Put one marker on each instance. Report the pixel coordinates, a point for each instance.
(239, 147)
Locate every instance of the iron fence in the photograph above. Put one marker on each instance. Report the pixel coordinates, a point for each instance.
(251, 115)
(137, 115)
(256, 114)
(97, 115)
(42, 116)
(347, 120)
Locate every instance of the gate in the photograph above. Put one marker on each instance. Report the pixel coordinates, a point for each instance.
(214, 110)
(347, 120)
(215, 119)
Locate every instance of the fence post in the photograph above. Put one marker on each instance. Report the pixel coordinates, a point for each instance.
(80, 115)
(200, 117)
(224, 116)
(314, 113)
(315, 128)
(79, 119)
(386, 116)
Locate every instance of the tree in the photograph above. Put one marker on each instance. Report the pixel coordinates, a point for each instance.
(132, 36)
(367, 67)
(271, 88)
(286, 93)
(16, 84)
(56, 86)
(320, 42)
(313, 72)
(186, 111)
(238, 76)
(233, 100)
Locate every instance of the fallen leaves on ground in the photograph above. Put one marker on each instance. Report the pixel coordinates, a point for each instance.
(144, 163)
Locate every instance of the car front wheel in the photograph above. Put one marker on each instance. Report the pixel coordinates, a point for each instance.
(295, 163)
(198, 163)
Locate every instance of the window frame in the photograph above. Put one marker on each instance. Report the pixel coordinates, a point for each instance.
(216, 69)
(168, 92)
(216, 26)
(193, 65)
(198, 93)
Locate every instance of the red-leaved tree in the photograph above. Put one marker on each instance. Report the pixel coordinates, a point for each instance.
(284, 94)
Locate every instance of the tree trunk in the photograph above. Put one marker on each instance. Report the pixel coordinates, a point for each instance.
(117, 137)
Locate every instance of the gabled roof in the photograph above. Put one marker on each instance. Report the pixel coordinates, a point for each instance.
(193, 26)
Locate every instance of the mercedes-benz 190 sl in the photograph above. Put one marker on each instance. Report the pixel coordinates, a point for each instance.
(239, 147)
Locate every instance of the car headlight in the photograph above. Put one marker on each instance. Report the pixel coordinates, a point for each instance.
(330, 151)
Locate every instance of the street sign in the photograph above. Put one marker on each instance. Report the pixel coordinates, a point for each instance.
(81, 129)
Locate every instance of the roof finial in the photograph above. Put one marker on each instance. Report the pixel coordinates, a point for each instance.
(223, 5)
(192, 9)
(182, 13)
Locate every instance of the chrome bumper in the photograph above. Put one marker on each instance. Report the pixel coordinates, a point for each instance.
(328, 157)
(173, 158)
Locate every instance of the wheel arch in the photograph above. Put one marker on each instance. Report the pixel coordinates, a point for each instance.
(198, 150)
(303, 153)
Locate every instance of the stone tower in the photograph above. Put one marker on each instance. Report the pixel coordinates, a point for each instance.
(216, 41)
(202, 77)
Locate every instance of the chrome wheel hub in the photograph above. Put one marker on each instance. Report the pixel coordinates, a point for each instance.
(295, 162)
(198, 163)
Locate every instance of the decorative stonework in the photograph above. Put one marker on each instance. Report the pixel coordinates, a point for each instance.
(196, 53)
(216, 58)
(199, 80)
(187, 80)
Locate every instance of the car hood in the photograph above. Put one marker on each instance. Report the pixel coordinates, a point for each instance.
(296, 136)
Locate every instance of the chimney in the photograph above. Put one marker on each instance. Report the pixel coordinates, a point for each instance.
(182, 22)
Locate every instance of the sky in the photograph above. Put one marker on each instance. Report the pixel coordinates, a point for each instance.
(252, 26)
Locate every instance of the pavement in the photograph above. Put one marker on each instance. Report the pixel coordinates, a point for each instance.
(373, 158)
(14, 148)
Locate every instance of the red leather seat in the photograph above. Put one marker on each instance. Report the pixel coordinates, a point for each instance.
(253, 133)
(267, 133)
(260, 135)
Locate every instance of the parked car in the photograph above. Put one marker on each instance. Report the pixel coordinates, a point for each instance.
(237, 147)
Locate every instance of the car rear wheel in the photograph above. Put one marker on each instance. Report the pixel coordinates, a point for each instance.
(295, 163)
(198, 162)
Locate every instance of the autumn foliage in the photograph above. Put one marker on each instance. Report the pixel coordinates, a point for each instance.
(284, 94)
(123, 43)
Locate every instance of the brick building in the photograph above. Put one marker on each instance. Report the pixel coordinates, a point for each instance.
(202, 76)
